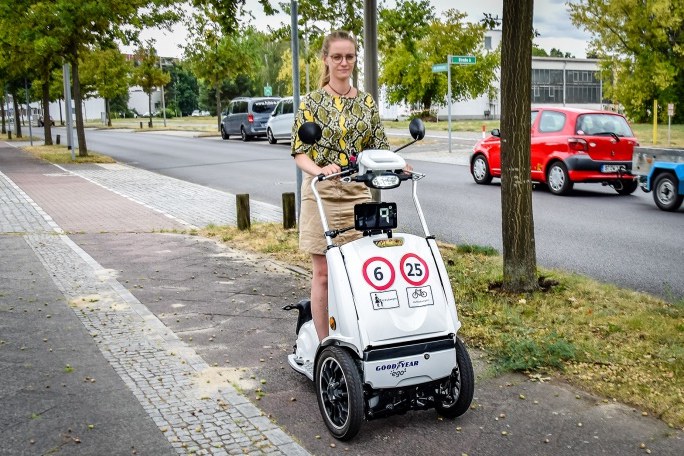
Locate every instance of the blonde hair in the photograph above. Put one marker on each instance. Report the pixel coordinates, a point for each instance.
(337, 35)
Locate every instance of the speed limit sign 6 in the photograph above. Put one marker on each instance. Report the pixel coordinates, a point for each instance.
(378, 273)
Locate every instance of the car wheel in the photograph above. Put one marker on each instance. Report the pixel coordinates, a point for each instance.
(243, 134)
(339, 392)
(224, 135)
(269, 136)
(665, 193)
(480, 170)
(627, 186)
(461, 386)
(558, 179)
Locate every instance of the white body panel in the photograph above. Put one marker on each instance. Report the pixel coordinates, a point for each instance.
(398, 291)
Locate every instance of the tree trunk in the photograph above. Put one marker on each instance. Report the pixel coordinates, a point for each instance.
(2, 114)
(109, 117)
(520, 264)
(149, 111)
(218, 105)
(47, 125)
(80, 131)
(17, 120)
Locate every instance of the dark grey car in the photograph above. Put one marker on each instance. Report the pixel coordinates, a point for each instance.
(247, 117)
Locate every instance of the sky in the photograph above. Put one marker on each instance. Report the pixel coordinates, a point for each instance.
(551, 20)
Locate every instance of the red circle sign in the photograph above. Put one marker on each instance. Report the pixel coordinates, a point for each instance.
(381, 275)
(414, 269)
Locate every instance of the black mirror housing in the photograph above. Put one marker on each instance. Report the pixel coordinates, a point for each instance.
(417, 129)
(496, 132)
(310, 132)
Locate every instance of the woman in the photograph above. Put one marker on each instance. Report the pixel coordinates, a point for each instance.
(351, 123)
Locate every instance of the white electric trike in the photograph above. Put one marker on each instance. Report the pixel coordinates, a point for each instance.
(392, 344)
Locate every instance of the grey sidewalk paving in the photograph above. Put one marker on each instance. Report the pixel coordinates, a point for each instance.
(164, 375)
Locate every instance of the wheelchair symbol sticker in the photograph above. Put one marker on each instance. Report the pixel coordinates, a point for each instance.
(378, 273)
(414, 269)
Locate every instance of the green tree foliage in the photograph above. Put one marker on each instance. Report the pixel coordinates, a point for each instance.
(67, 29)
(641, 47)
(108, 71)
(183, 90)
(148, 74)
(412, 39)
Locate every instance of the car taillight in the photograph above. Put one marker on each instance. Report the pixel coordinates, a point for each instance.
(578, 144)
(250, 118)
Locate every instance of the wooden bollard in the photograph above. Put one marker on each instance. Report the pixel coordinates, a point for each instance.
(141, 125)
(289, 216)
(9, 135)
(57, 139)
(243, 217)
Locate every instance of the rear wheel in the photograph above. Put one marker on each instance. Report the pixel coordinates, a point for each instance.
(480, 170)
(558, 179)
(271, 138)
(243, 134)
(339, 392)
(627, 187)
(665, 193)
(224, 135)
(462, 386)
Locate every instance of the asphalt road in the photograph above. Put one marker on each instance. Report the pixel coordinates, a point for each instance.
(624, 240)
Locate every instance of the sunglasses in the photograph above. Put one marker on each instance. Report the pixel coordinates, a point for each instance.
(337, 58)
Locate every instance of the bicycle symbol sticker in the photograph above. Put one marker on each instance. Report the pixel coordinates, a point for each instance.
(379, 273)
(419, 296)
(414, 269)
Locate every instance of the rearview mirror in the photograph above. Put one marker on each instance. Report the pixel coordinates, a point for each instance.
(496, 132)
(417, 129)
(310, 132)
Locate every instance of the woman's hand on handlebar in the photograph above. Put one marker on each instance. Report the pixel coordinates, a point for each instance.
(332, 168)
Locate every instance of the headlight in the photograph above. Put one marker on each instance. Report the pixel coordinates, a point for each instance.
(388, 180)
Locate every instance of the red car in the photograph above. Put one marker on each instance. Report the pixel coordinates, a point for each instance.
(568, 145)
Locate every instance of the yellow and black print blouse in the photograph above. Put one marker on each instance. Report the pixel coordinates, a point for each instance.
(349, 124)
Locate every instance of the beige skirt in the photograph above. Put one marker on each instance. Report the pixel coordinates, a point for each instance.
(338, 203)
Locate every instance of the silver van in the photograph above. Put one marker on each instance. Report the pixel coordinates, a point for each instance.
(247, 117)
(280, 124)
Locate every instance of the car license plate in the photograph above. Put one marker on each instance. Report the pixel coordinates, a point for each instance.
(610, 168)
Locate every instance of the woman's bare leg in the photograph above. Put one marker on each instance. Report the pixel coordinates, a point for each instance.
(319, 295)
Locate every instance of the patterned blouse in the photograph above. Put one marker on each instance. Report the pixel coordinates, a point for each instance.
(349, 124)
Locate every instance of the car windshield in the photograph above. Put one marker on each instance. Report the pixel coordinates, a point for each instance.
(603, 124)
(260, 107)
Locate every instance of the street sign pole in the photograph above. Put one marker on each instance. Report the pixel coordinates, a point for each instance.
(448, 99)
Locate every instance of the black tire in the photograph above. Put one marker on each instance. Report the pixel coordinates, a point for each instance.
(558, 179)
(462, 385)
(224, 135)
(243, 134)
(628, 187)
(480, 170)
(339, 392)
(665, 193)
(269, 136)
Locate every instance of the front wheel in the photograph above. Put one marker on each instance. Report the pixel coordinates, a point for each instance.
(339, 392)
(665, 193)
(558, 179)
(461, 386)
(627, 187)
(271, 138)
(480, 170)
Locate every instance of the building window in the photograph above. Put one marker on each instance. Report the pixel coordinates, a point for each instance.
(488, 42)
